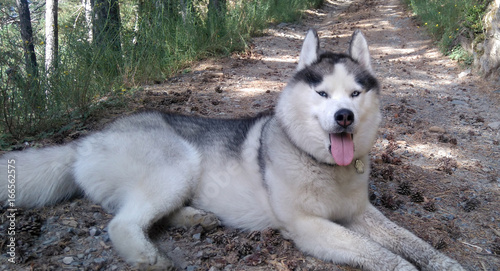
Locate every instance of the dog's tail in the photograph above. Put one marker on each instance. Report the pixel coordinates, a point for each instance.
(37, 177)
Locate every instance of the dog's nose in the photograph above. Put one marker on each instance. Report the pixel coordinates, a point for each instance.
(344, 117)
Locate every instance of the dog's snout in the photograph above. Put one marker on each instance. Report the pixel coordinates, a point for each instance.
(344, 117)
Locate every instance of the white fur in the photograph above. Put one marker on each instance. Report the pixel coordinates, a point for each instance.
(358, 50)
(309, 52)
(283, 177)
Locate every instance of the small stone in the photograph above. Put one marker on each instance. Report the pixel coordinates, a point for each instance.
(99, 260)
(70, 222)
(48, 242)
(464, 73)
(80, 256)
(105, 237)
(197, 236)
(494, 125)
(68, 260)
(94, 232)
(437, 129)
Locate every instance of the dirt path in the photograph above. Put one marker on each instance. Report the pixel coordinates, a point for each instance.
(436, 162)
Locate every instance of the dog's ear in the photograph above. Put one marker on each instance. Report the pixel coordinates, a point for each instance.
(310, 50)
(358, 50)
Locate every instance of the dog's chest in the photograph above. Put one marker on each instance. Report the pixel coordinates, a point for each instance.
(335, 193)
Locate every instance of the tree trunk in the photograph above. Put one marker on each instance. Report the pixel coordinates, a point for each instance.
(27, 37)
(51, 37)
(88, 5)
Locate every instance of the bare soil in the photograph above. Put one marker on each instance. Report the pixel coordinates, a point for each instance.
(435, 164)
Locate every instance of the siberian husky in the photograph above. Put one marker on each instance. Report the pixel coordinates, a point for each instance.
(303, 170)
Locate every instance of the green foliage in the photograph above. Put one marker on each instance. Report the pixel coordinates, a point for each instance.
(158, 39)
(447, 20)
(459, 54)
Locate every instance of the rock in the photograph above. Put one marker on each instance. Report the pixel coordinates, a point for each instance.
(94, 232)
(437, 129)
(494, 125)
(49, 241)
(464, 73)
(489, 62)
(67, 260)
(99, 260)
(70, 222)
(197, 236)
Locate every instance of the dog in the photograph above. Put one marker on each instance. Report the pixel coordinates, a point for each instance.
(303, 170)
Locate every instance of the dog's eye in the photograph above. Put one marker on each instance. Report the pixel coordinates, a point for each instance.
(355, 93)
(322, 94)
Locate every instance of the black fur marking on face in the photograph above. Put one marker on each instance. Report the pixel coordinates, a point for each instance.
(333, 58)
(367, 81)
(309, 76)
(313, 74)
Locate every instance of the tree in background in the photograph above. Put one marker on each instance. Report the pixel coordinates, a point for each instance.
(27, 37)
(105, 47)
(51, 37)
(88, 5)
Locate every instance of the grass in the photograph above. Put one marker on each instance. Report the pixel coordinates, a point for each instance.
(154, 47)
(449, 21)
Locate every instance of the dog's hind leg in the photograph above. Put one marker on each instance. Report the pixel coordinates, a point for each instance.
(144, 205)
(128, 232)
(139, 183)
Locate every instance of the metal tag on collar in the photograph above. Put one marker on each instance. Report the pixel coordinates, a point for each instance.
(360, 166)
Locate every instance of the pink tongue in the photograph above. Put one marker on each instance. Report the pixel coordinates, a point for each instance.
(342, 148)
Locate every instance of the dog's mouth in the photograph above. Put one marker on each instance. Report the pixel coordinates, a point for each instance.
(342, 148)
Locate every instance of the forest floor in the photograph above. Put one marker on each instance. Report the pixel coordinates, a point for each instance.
(436, 162)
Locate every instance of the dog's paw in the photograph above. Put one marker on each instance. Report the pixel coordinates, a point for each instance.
(158, 263)
(445, 264)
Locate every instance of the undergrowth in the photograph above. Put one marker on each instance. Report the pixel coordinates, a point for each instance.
(158, 39)
(450, 22)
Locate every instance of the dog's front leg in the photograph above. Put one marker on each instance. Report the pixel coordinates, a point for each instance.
(399, 240)
(329, 241)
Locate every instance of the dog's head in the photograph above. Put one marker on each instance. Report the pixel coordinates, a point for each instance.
(330, 108)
